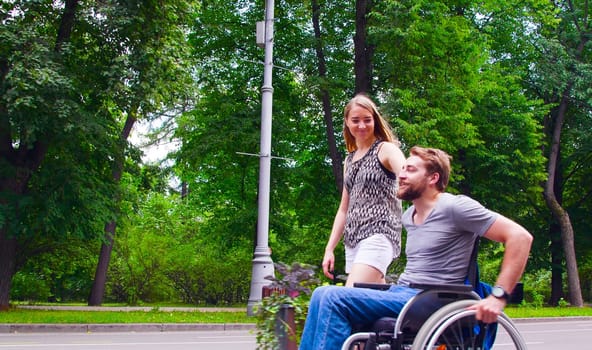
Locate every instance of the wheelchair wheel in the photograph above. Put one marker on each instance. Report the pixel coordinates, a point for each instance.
(454, 328)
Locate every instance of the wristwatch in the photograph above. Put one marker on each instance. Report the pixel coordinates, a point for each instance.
(499, 293)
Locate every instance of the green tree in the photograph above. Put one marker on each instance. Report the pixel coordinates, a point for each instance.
(223, 182)
(447, 86)
(570, 98)
(154, 59)
(48, 126)
(74, 77)
(547, 45)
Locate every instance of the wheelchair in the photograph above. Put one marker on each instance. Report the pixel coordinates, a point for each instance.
(437, 319)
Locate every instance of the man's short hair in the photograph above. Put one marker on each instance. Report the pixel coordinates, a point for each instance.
(437, 161)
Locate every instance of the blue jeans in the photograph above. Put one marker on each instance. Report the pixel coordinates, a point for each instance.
(333, 310)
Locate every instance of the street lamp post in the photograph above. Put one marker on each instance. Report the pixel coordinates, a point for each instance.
(262, 263)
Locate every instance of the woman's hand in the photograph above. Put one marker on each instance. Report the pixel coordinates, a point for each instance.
(329, 264)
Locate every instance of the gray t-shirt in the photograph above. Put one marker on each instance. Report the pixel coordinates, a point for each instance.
(439, 250)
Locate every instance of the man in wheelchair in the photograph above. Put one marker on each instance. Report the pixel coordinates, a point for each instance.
(441, 232)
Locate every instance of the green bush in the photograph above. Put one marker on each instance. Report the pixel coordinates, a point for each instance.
(50, 277)
(154, 271)
(585, 270)
(205, 279)
(537, 288)
(28, 286)
(136, 268)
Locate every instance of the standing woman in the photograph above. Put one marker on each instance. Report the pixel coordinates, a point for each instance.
(369, 215)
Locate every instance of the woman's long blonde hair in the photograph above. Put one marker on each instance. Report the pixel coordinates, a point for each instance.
(382, 129)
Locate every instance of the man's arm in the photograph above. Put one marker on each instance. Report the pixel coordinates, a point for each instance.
(517, 241)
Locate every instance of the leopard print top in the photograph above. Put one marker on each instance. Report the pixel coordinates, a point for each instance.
(373, 205)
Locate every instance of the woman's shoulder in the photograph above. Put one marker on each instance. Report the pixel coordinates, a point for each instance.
(388, 144)
(387, 147)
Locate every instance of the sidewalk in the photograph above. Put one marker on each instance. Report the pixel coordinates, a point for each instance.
(124, 327)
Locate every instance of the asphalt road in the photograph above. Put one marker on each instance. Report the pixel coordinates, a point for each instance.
(544, 334)
(199, 340)
(563, 334)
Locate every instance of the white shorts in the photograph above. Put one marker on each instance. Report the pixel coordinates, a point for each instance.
(376, 251)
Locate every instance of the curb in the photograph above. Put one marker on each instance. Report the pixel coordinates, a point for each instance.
(130, 308)
(122, 327)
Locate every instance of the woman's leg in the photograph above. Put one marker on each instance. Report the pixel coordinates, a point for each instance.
(369, 260)
(364, 273)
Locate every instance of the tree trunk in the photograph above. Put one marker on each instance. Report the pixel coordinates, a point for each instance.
(362, 50)
(23, 163)
(98, 288)
(556, 265)
(336, 158)
(7, 266)
(560, 214)
(66, 24)
(556, 246)
(184, 189)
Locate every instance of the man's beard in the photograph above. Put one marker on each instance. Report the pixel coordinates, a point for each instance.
(411, 192)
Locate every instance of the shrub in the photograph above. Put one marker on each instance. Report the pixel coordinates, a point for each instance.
(27, 286)
(208, 275)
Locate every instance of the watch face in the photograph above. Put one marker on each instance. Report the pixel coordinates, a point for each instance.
(498, 292)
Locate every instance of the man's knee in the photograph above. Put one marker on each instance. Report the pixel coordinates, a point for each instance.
(326, 294)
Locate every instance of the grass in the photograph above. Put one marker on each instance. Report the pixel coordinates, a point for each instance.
(16, 315)
(28, 316)
(535, 312)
